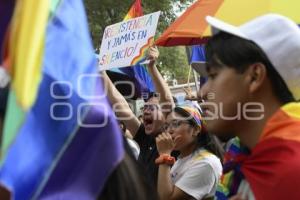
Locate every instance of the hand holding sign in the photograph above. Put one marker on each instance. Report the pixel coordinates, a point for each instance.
(152, 56)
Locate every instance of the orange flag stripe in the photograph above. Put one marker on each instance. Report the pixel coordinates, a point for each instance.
(287, 118)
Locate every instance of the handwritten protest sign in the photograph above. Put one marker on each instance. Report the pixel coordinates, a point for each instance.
(124, 44)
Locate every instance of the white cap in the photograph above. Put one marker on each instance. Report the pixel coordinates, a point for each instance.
(278, 37)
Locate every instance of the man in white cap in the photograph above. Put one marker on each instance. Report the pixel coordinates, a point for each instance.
(252, 91)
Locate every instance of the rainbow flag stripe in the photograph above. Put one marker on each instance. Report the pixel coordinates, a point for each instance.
(273, 163)
(143, 51)
(275, 160)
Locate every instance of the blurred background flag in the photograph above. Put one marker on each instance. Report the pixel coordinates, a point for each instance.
(136, 10)
(66, 144)
(198, 60)
(191, 27)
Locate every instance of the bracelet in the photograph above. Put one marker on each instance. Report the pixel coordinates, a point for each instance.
(165, 159)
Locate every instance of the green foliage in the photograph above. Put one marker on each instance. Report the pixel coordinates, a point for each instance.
(102, 13)
(173, 63)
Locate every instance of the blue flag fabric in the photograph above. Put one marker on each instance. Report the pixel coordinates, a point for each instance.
(142, 79)
(197, 61)
(198, 54)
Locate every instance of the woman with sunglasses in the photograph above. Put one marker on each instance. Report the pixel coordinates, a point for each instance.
(196, 173)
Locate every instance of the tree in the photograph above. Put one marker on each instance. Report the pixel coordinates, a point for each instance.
(173, 62)
(102, 13)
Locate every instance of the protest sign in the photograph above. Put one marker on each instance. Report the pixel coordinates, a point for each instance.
(124, 44)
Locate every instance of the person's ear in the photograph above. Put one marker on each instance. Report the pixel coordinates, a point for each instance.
(257, 74)
(196, 131)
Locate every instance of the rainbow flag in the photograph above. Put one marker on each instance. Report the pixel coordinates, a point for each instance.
(232, 175)
(66, 144)
(272, 167)
(136, 10)
(27, 30)
(142, 80)
(191, 28)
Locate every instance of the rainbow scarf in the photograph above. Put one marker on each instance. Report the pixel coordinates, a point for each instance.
(62, 140)
(272, 168)
(232, 175)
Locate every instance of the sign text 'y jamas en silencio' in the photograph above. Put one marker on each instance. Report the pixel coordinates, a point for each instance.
(123, 44)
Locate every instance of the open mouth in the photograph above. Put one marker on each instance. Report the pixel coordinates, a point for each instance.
(148, 122)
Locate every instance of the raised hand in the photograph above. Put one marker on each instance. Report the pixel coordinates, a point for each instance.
(164, 143)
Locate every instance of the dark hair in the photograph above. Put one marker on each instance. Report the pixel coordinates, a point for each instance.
(205, 139)
(175, 100)
(228, 50)
(127, 183)
(147, 96)
(3, 100)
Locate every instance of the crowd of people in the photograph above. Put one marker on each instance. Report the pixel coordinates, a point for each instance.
(250, 150)
(238, 138)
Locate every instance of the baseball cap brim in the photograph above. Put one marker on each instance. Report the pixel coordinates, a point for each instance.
(219, 25)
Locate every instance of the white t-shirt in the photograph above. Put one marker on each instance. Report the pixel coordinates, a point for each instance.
(197, 174)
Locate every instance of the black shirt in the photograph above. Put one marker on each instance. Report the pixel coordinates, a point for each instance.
(148, 153)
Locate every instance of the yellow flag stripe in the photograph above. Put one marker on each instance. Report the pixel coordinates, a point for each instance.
(26, 48)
